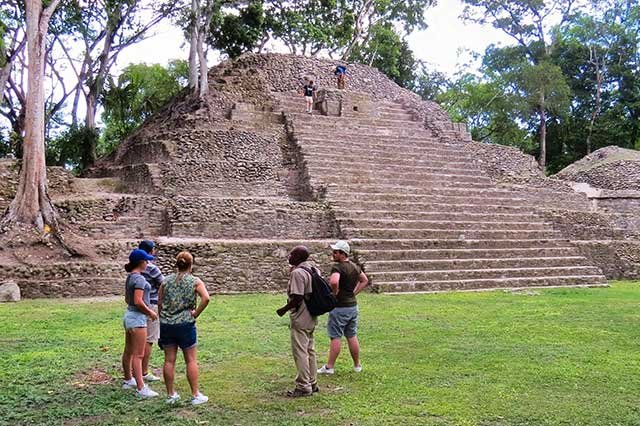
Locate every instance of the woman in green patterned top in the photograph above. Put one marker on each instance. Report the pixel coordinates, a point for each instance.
(177, 308)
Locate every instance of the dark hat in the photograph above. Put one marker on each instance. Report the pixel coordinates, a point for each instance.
(137, 255)
(146, 245)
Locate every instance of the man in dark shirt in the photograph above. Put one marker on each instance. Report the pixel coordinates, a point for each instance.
(346, 280)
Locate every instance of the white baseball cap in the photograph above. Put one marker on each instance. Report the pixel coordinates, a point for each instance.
(341, 245)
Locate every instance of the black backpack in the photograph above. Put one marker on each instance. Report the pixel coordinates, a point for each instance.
(322, 299)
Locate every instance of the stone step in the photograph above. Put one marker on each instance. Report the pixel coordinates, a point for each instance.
(389, 176)
(318, 149)
(368, 123)
(350, 213)
(368, 256)
(472, 234)
(482, 273)
(433, 190)
(441, 197)
(483, 263)
(345, 180)
(490, 283)
(417, 187)
(417, 147)
(296, 100)
(363, 133)
(381, 155)
(294, 105)
(398, 161)
(381, 167)
(455, 244)
(433, 205)
(357, 222)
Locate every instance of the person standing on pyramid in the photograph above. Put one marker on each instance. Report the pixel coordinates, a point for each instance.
(308, 90)
(341, 75)
(346, 280)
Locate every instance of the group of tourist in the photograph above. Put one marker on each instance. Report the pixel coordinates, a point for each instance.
(161, 310)
(164, 310)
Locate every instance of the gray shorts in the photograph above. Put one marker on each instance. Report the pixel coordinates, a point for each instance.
(134, 319)
(343, 322)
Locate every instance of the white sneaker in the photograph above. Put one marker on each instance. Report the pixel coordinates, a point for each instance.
(199, 399)
(129, 384)
(172, 399)
(147, 392)
(149, 377)
(357, 368)
(325, 370)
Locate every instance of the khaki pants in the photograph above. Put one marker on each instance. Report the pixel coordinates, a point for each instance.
(304, 355)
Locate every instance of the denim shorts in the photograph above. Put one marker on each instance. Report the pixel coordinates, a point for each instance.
(134, 319)
(183, 335)
(343, 322)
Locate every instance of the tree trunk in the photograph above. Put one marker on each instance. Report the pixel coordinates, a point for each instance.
(193, 45)
(32, 203)
(543, 131)
(89, 155)
(203, 83)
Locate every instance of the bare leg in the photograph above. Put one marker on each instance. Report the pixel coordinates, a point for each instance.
(354, 348)
(126, 355)
(169, 369)
(191, 359)
(334, 351)
(138, 340)
(146, 358)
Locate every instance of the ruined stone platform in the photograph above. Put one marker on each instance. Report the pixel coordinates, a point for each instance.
(241, 178)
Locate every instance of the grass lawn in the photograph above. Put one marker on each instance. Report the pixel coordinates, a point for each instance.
(543, 357)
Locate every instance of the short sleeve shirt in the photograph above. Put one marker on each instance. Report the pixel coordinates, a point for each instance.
(300, 284)
(349, 275)
(308, 90)
(136, 281)
(154, 277)
(178, 299)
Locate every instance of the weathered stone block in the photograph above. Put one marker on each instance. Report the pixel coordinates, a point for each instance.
(9, 292)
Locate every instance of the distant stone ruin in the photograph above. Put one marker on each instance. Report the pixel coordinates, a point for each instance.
(244, 176)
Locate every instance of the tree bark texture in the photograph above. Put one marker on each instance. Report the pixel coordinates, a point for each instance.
(32, 204)
(193, 45)
(543, 131)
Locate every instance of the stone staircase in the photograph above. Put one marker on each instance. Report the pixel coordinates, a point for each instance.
(422, 215)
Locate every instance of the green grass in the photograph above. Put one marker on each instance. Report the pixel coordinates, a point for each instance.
(548, 357)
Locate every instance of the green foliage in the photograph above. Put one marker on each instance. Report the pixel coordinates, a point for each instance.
(235, 34)
(309, 26)
(140, 91)
(67, 148)
(386, 51)
(539, 357)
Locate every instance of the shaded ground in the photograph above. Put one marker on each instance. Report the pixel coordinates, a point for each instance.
(543, 357)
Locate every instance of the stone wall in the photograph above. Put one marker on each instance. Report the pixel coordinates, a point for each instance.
(251, 218)
(618, 259)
